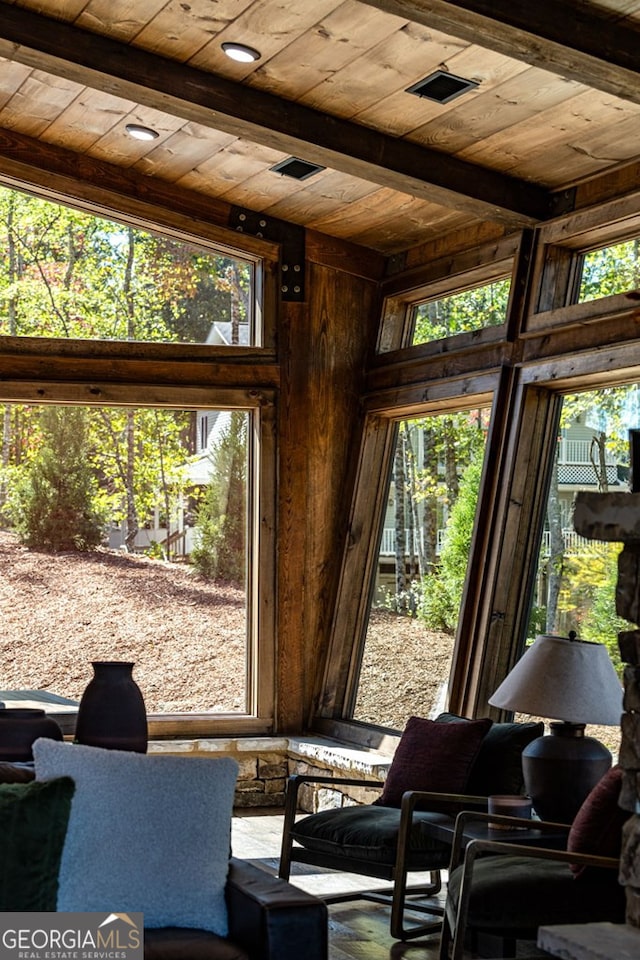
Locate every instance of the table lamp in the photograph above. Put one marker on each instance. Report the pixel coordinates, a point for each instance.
(568, 680)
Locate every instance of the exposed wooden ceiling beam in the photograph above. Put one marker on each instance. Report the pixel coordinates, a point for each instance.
(567, 37)
(106, 64)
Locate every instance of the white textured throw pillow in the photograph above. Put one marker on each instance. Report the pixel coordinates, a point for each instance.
(146, 834)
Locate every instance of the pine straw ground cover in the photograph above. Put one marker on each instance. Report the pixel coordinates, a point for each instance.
(186, 636)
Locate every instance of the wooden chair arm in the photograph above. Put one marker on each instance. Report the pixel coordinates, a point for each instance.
(442, 799)
(467, 816)
(294, 783)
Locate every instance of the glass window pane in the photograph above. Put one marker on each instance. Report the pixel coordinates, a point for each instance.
(421, 567)
(123, 536)
(64, 273)
(610, 270)
(574, 588)
(470, 310)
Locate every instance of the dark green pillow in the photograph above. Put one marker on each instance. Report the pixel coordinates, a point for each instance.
(33, 826)
(498, 764)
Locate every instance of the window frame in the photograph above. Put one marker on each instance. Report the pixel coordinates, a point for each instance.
(183, 376)
(528, 366)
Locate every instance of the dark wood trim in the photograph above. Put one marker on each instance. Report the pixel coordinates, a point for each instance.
(108, 190)
(453, 243)
(594, 46)
(620, 305)
(426, 369)
(43, 368)
(607, 222)
(344, 256)
(106, 64)
(505, 553)
(452, 273)
(337, 686)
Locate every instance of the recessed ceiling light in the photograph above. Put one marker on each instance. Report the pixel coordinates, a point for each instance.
(298, 169)
(442, 86)
(138, 132)
(240, 52)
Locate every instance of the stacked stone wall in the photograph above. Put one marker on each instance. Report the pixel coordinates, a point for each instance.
(265, 763)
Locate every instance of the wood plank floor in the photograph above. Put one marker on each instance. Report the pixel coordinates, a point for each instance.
(358, 930)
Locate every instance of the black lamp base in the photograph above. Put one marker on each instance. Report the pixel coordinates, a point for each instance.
(560, 770)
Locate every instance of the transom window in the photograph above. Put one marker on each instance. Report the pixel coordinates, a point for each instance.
(463, 312)
(610, 270)
(66, 273)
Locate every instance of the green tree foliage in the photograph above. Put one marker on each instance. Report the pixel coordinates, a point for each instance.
(220, 548)
(431, 454)
(484, 306)
(64, 273)
(610, 270)
(442, 591)
(589, 596)
(567, 596)
(56, 504)
(139, 454)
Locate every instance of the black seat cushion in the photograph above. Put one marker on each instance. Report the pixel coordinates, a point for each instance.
(371, 833)
(516, 895)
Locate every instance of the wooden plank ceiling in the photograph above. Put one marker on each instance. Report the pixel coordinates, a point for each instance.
(556, 101)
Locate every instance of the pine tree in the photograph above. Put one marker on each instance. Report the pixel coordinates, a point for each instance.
(56, 507)
(221, 518)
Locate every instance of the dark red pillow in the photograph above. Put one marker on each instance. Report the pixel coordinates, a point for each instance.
(597, 827)
(433, 756)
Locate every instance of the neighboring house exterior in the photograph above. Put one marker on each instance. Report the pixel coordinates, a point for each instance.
(209, 427)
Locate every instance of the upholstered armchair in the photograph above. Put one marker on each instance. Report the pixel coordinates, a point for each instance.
(500, 892)
(440, 767)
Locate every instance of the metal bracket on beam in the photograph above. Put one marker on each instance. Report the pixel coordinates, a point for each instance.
(292, 247)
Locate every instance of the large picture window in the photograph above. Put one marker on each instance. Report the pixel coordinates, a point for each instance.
(125, 535)
(128, 523)
(421, 568)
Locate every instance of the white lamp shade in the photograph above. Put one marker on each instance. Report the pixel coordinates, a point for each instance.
(563, 679)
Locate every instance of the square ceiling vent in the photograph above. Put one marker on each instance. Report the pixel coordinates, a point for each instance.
(442, 87)
(298, 169)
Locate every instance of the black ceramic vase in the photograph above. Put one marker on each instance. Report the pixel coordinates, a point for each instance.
(112, 712)
(19, 727)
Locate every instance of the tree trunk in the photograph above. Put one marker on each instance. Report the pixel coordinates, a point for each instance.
(400, 524)
(430, 504)
(11, 314)
(450, 460)
(132, 514)
(598, 455)
(416, 558)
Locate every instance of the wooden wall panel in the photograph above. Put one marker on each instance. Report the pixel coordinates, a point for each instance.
(323, 350)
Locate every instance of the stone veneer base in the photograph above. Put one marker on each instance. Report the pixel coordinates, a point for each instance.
(266, 762)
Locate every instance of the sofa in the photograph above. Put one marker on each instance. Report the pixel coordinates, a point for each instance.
(268, 918)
